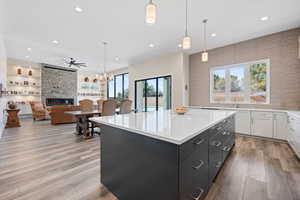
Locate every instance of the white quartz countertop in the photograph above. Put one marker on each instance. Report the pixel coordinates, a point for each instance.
(166, 125)
(296, 113)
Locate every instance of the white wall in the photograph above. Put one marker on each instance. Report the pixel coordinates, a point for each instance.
(175, 65)
(3, 81)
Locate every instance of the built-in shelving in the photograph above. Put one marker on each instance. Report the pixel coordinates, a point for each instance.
(23, 85)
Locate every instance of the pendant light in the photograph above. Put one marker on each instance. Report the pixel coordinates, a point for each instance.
(150, 13)
(187, 40)
(204, 53)
(104, 76)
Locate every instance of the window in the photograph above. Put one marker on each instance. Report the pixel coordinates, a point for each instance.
(118, 88)
(246, 83)
(153, 94)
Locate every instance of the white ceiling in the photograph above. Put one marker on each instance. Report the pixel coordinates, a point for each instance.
(36, 23)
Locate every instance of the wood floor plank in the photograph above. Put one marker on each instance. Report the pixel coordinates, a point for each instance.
(43, 162)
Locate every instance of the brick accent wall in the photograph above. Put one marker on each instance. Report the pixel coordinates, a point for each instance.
(282, 50)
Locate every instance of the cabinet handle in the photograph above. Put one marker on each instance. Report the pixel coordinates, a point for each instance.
(218, 144)
(200, 194)
(219, 164)
(226, 148)
(199, 142)
(198, 166)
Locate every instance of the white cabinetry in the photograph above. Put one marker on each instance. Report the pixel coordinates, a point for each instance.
(242, 122)
(262, 124)
(294, 134)
(280, 126)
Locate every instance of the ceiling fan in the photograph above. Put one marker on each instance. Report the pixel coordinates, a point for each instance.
(72, 62)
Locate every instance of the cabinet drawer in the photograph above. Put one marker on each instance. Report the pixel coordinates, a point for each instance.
(189, 147)
(194, 173)
(228, 146)
(215, 155)
(197, 192)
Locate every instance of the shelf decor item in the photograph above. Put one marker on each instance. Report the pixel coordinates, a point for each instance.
(19, 71)
(30, 72)
(86, 79)
(12, 105)
(1, 91)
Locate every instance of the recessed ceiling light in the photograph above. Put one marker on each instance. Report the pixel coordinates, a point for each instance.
(117, 58)
(213, 35)
(179, 45)
(55, 41)
(151, 45)
(78, 9)
(265, 18)
(29, 49)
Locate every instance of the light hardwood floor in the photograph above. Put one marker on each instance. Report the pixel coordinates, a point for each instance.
(41, 162)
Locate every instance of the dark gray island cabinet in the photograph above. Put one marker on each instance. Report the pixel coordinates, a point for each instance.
(145, 157)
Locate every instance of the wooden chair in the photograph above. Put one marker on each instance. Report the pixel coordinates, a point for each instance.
(100, 104)
(109, 107)
(39, 110)
(86, 105)
(125, 106)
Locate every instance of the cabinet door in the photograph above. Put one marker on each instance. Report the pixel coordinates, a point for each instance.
(215, 156)
(280, 126)
(262, 124)
(294, 134)
(242, 122)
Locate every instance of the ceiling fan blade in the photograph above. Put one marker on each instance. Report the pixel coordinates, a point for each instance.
(79, 63)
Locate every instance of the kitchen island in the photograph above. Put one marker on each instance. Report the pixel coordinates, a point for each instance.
(164, 156)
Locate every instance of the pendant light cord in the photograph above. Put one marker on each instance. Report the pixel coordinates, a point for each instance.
(204, 36)
(186, 17)
(104, 57)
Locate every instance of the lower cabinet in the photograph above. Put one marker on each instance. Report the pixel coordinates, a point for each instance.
(262, 124)
(202, 159)
(294, 134)
(243, 122)
(280, 127)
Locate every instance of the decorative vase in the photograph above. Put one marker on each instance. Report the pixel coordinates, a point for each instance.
(12, 105)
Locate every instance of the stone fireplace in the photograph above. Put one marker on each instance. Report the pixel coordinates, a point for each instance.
(59, 85)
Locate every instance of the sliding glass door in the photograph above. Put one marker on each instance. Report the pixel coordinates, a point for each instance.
(153, 94)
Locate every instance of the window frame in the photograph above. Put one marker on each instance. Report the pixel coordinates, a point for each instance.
(115, 86)
(247, 82)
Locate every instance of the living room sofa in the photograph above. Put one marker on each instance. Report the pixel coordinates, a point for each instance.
(58, 115)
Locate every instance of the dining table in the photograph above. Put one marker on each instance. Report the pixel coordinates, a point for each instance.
(83, 123)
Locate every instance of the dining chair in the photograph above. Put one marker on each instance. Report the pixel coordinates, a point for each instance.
(125, 106)
(86, 105)
(100, 104)
(109, 107)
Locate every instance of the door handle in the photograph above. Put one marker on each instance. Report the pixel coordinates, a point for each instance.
(198, 166)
